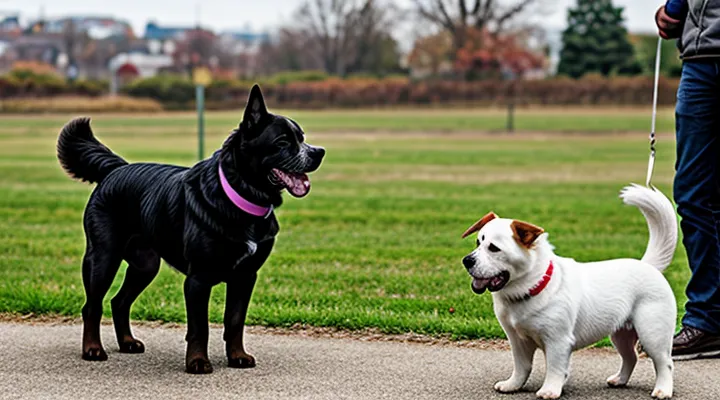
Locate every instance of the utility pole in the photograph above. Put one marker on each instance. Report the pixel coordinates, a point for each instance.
(197, 15)
(201, 78)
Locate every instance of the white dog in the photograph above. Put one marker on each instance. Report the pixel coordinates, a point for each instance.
(560, 305)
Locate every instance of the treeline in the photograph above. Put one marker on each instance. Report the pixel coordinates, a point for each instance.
(317, 90)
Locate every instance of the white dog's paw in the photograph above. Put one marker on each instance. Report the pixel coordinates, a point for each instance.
(548, 393)
(660, 393)
(617, 381)
(507, 386)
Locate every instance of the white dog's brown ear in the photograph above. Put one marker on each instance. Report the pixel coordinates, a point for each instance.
(525, 233)
(478, 225)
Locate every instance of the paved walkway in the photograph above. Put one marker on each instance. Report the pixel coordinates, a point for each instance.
(43, 362)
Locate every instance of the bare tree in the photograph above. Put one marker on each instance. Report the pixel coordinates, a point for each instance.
(200, 45)
(288, 51)
(340, 32)
(457, 16)
(72, 40)
(329, 24)
(338, 36)
(374, 45)
(75, 42)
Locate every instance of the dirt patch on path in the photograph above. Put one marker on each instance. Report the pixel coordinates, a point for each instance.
(373, 335)
(298, 330)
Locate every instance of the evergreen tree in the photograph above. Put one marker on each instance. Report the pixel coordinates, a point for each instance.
(596, 41)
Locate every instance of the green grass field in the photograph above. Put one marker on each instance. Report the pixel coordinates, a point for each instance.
(376, 244)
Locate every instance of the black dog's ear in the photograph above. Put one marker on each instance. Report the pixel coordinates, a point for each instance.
(255, 109)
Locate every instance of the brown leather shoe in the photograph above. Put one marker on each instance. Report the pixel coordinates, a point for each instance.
(692, 343)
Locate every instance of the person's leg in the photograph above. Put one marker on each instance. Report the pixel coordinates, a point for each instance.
(696, 190)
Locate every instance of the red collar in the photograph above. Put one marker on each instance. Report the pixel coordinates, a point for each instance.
(540, 286)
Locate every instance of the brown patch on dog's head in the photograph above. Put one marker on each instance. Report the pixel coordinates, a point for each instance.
(478, 225)
(525, 233)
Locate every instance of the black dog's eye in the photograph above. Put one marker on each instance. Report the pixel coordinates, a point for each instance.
(493, 248)
(282, 144)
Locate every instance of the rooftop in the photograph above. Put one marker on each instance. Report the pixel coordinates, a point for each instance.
(248, 36)
(156, 32)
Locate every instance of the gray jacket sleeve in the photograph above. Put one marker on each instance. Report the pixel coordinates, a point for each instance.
(701, 32)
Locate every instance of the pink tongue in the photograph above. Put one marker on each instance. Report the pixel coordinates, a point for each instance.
(297, 184)
(480, 284)
(496, 281)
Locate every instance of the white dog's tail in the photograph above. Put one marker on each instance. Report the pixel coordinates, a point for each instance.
(662, 223)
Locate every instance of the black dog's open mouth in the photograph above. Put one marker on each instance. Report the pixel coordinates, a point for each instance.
(297, 183)
(493, 284)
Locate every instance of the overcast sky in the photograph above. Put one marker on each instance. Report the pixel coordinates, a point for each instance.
(257, 14)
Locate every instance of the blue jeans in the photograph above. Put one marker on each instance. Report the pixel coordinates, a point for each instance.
(697, 188)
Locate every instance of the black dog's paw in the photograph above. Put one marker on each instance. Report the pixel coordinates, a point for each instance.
(199, 366)
(134, 347)
(95, 354)
(244, 361)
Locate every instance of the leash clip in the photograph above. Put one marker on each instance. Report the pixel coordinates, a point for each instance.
(269, 212)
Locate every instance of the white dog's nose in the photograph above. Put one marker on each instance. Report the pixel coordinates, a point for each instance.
(469, 261)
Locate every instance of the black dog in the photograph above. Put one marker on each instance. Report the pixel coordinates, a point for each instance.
(213, 222)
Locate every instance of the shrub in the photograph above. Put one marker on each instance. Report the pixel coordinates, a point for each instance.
(372, 92)
(312, 89)
(90, 87)
(39, 84)
(283, 78)
(79, 104)
(170, 89)
(10, 86)
(35, 67)
(36, 82)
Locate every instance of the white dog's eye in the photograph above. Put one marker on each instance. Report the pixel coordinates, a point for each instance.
(477, 242)
(493, 248)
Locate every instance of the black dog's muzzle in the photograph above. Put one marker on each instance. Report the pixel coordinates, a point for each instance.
(315, 157)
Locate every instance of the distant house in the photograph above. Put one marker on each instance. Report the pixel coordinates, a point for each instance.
(93, 46)
(165, 40)
(140, 65)
(44, 49)
(127, 67)
(96, 27)
(243, 42)
(62, 42)
(14, 46)
(10, 24)
(243, 48)
(153, 31)
(189, 46)
(5, 56)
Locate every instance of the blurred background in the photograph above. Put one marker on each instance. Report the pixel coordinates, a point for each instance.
(335, 53)
(433, 113)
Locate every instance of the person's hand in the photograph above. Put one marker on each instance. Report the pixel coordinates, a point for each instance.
(669, 28)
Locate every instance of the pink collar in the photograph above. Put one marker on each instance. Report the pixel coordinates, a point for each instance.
(239, 201)
(540, 286)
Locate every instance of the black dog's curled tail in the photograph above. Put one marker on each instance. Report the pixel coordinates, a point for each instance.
(82, 156)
